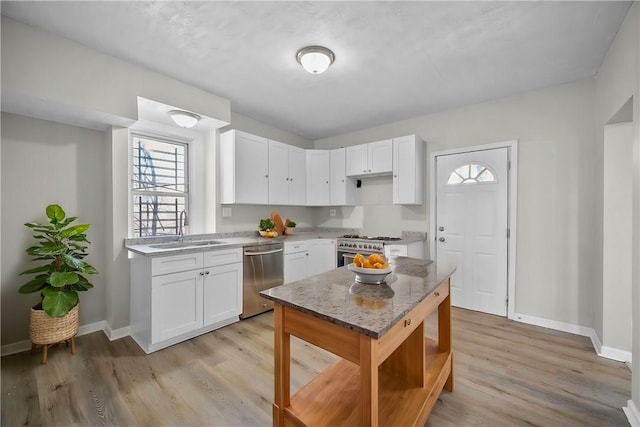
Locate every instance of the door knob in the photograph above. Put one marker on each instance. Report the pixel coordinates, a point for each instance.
(441, 239)
(441, 228)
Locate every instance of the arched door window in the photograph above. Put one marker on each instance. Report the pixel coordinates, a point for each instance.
(471, 173)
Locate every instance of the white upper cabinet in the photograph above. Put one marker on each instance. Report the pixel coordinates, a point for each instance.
(244, 168)
(408, 152)
(287, 174)
(318, 177)
(372, 159)
(342, 190)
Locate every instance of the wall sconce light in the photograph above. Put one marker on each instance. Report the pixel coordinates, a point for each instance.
(315, 59)
(184, 119)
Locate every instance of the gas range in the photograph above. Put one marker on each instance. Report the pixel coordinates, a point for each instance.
(364, 244)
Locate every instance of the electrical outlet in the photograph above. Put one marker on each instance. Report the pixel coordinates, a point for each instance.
(332, 212)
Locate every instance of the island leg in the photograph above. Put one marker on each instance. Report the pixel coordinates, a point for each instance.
(369, 381)
(282, 367)
(444, 332)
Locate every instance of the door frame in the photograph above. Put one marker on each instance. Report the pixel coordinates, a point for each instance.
(512, 195)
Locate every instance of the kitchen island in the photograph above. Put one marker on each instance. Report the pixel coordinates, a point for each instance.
(389, 373)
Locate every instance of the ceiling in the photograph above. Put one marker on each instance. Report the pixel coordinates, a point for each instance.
(394, 60)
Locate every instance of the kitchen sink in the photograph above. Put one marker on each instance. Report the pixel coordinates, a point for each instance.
(189, 244)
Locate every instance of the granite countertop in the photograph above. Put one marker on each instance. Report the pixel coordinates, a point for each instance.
(368, 309)
(148, 246)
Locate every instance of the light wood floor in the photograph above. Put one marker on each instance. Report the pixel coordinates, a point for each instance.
(506, 374)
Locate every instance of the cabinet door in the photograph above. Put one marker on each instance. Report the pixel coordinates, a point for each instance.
(222, 293)
(342, 190)
(297, 176)
(251, 169)
(176, 301)
(379, 155)
(322, 256)
(407, 170)
(318, 175)
(296, 266)
(356, 157)
(278, 173)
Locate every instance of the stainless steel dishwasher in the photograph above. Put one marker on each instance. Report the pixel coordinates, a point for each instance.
(263, 269)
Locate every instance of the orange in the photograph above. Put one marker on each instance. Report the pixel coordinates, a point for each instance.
(378, 265)
(358, 260)
(366, 264)
(374, 258)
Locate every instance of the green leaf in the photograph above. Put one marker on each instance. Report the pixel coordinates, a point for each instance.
(55, 213)
(42, 268)
(75, 230)
(81, 286)
(58, 303)
(34, 285)
(73, 262)
(60, 279)
(89, 269)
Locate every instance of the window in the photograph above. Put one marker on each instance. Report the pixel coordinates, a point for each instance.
(159, 185)
(471, 173)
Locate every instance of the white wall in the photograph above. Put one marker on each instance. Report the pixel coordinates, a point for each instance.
(616, 245)
(618, 79)
(43, 163)
(555, 254)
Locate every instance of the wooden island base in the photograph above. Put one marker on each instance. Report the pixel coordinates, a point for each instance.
(393, 380)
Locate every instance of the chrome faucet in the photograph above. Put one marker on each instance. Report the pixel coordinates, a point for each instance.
(184, 221)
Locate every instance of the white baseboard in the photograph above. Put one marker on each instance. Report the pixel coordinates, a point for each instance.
(632, 413)
(601, 350)
(116, 334)
(615, 354)
(25, 345)
(553, 324)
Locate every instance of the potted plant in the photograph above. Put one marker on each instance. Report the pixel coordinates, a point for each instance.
(63, 247)
(267, 227)
(289, 226)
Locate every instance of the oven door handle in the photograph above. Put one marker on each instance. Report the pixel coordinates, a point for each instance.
(248, 253)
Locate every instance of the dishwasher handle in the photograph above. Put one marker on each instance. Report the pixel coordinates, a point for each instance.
(248, 253)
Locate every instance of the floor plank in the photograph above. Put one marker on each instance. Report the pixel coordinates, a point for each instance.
(506, 374)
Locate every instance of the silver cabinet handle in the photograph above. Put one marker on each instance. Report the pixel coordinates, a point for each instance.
(441, 228)
(442, 239)
(202, 273)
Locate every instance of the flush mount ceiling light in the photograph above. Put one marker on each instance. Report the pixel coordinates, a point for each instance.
(184, 119)
(315, 59)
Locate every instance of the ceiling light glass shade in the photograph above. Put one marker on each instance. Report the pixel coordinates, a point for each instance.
(315, 59)
(184, 119)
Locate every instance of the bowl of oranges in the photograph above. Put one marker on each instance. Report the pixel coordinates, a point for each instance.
(371, 270)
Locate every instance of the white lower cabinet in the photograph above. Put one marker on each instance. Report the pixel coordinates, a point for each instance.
(296, 261)
(322, 256)
(222, 293)
(175, 300)
(177, 297)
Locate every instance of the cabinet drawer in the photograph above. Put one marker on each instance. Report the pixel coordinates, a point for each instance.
(222, 257)
(294, 247)
(176, 263)
(405, 326)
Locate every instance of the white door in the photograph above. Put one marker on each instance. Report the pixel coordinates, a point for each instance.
(356, 160)
(322, 256)
(379, 156)
(471, 225)
(318, 178)
(222, 293)
(297, 176)
(251, 169)
(278, 173)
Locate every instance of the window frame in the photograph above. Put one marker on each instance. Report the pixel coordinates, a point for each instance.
(472, 180)
(186, 194)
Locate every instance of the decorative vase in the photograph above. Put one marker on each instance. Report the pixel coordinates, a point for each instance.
(46, 331)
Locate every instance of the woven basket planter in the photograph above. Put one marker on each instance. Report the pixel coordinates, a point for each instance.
(45, 329)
